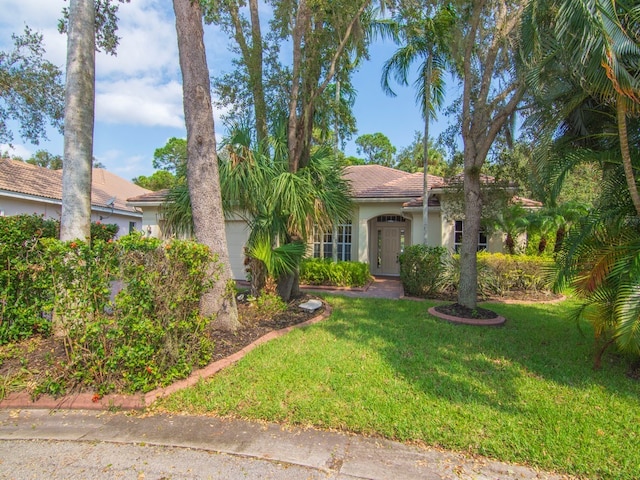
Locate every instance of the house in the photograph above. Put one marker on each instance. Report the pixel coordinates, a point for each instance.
(29, 189)
(387, 217)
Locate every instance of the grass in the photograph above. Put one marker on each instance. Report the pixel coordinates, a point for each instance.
(524, 393)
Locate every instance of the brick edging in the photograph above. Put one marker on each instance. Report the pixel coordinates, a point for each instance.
(90, 401)
(492, 322)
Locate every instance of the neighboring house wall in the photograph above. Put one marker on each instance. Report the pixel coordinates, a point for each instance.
(29, 189)
(51, 209)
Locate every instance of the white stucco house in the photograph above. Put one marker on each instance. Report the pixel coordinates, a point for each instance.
(387, 217)
(29, 189)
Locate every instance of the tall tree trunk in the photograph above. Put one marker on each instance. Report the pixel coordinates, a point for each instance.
(202, 163)
(468, 287)
(78, 122)
(425, 147)
(626, 155)
(259, 103)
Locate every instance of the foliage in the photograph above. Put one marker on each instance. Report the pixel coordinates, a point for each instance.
(148, 335)
(25, 283)
(314, 89)
(421, 269)
(106, 18)
(377, 149)
(103, 231)
(499, 274)
(31, 89)
(269, 303)
(159, 180)
(599, 260)
(324, 271)
(42, 158)
(172, 157)
(411, 158)
(521, 393)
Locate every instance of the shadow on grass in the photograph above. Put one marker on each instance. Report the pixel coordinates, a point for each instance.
(477, 365)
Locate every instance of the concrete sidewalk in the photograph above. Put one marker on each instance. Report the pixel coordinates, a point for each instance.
(84, 444)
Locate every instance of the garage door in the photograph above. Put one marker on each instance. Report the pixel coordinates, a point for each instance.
(237, 234)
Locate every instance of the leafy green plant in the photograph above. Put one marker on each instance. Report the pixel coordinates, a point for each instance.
(324, 271)
(500, 274)
(104, 231)
(25, 282)
(421, 269)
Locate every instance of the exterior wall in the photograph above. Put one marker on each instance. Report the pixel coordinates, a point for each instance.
(236, 232)
(434, 234)
(51, 209)
(495, 243)
(366, 212)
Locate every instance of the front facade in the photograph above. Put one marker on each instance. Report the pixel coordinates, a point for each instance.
(387, 218)
(29, 189)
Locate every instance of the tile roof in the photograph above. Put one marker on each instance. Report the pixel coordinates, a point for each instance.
(376, 181)
(27, 179)
(526, 202)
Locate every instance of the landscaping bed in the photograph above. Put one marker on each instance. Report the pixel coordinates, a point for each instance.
(32, 364)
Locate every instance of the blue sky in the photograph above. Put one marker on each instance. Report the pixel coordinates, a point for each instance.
(139, 96)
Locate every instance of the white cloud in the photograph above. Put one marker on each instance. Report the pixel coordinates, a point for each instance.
(126, 166)
(140, 101)
(14, 151)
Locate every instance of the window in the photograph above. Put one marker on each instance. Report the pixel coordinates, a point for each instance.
(457, 237)
(323, 242)
(391, 219)
(132, 227)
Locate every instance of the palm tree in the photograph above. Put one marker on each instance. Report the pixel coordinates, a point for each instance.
(79, 112)
(602, 41)
(202, 163)
(280, 207)
(599, 260)
(424, 39)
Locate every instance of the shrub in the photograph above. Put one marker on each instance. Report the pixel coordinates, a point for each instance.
(155, 333)
(150, 334)
(103, 231)
(518, 272)
(318, 271)
(421, 269)
(25, 282)
(499, 273)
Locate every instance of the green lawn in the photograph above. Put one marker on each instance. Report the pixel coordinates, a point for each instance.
(525, 392)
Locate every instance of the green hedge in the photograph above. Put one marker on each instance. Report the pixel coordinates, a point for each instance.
(26, 282)
(499, 274)
(318, 271)
(421, 269)
(146, 336)
(428, 271)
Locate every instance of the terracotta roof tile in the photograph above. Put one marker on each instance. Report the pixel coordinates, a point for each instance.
(27, 179)
(376, 181)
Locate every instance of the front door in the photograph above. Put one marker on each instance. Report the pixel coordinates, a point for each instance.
(390, 251)
(390, 245)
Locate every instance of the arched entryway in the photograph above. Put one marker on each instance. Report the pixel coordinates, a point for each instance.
(388, 235)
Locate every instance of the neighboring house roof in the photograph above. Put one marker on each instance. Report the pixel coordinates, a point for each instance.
(30, 180)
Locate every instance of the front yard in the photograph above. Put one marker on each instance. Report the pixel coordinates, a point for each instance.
(523, 393)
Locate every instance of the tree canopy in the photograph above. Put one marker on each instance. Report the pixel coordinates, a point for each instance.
(31, 89)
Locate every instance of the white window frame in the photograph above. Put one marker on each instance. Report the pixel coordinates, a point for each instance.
(458, 231)
(323, 242)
